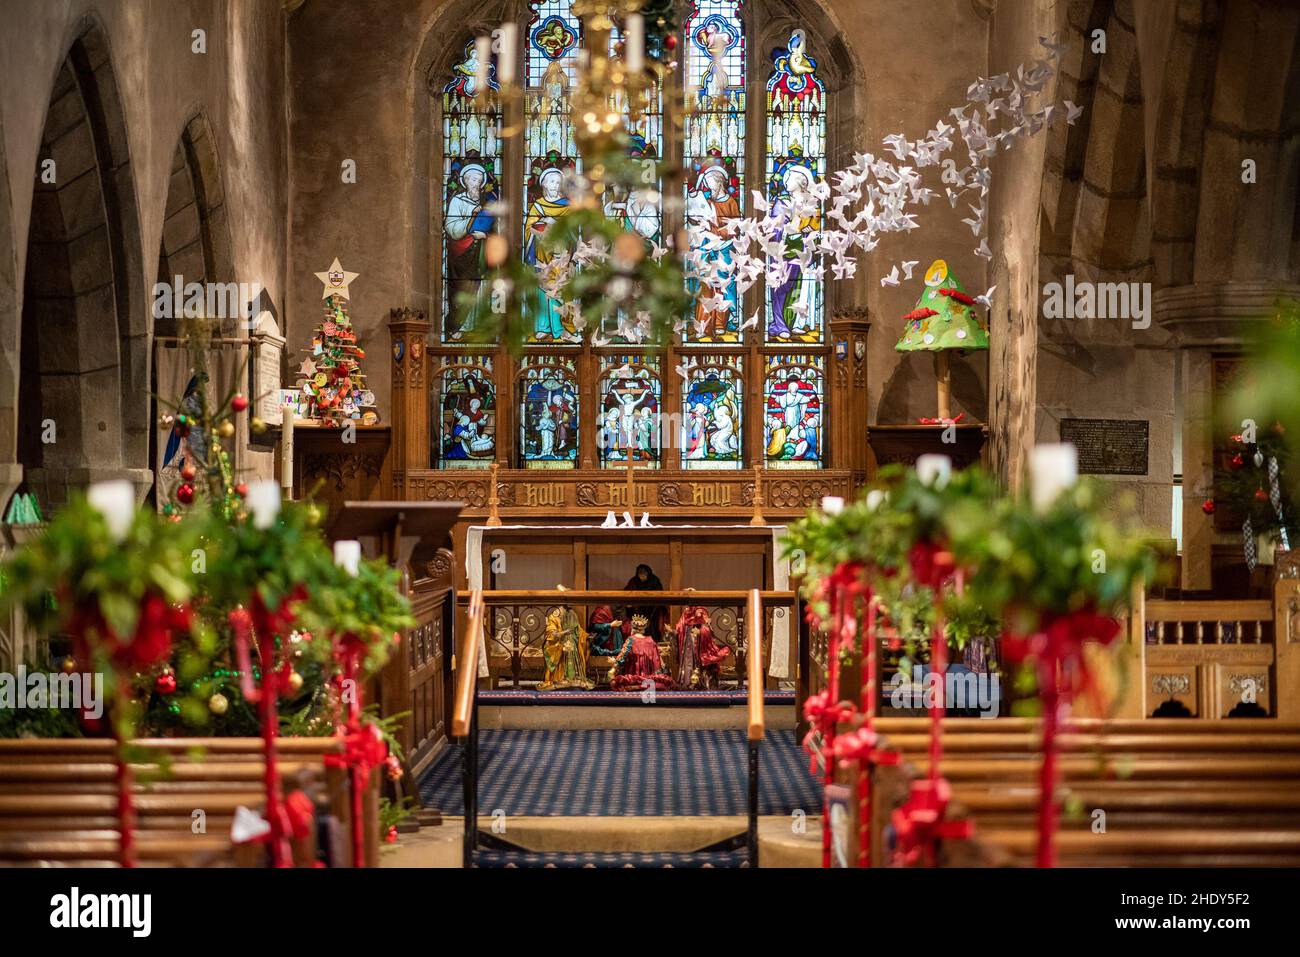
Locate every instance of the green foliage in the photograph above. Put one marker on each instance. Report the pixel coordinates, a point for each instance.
(1266, 393)
(80, 563)
(368, 605)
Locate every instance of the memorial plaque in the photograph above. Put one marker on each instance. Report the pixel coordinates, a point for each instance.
(1109, 446)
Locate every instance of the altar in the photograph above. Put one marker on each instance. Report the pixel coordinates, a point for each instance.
(527, 571)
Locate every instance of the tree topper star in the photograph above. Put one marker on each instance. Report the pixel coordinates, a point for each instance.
(336, 280)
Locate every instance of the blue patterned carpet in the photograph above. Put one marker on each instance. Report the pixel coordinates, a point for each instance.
(615, 773)
(773, 699)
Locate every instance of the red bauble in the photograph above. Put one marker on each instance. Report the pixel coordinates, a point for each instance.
(670, 42)
(1208, 506)
(393, 768)
(1238, 461)
(239, 403)
(391, 836)
(188, 472)
(185, 493)
(242, 490)
(166, 683)
(1261, 495)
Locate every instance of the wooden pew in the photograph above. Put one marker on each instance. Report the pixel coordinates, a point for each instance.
(58, 797)
(1174, 792)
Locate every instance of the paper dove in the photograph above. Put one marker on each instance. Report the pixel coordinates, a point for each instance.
(610, 520)
(750, 323)
(247, 826)
(891, 279)
(986, 299)
(627, 521)
(908, 267)
(645, 520)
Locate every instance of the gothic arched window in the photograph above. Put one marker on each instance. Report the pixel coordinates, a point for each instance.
(796, 159)
(745, 382)
(471, 151)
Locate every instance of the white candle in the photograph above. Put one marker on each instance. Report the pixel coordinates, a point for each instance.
(874, 498)
(506, 53)
(934, 470)
(263, 502)
(347, 555)
(634, 43)
(116, 502)
(832, 504)
(482, 57)
(1052, 469)
(286, 449)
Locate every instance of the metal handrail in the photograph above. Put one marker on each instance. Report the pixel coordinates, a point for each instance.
(467, 668)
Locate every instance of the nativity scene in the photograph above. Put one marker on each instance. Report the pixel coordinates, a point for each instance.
(551, 434)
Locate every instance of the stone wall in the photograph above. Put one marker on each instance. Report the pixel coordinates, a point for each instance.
(145, 48)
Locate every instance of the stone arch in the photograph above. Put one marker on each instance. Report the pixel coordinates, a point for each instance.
(8, 335)
(442, 45)
(1095, 201)
(196, 243)
(84, 328)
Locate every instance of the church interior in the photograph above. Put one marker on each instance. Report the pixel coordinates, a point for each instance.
(570, 434)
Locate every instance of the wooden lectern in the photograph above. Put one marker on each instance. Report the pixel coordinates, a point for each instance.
(415, 675)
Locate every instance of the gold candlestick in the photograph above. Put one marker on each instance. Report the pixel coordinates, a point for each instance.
(494, 500)
(758, 497)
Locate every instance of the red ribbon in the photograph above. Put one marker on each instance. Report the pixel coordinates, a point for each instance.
(1057, 647)
(931, 564)
(364, 748)
(919, 823)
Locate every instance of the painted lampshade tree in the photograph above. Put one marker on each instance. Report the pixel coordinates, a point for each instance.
(943, 321)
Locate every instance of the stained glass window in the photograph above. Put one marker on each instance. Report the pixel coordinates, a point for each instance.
(548, 411)
(471, 171)
(629, 411)
(639, 210)
(796, 159)
(715, 152)
(465, 411)
(712, 412)
(550, 156)
(793, 421)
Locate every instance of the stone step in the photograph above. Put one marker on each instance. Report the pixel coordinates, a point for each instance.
(650, 716)
(608, 842)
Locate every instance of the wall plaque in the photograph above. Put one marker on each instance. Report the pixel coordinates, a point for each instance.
(1109, 446)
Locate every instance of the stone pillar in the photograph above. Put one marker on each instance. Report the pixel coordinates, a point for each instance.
(1205, 320)
(849, 396)
(410, 399)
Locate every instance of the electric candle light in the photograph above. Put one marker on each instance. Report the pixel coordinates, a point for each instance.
(482, 58)
(286, 448)
(874, 498)
(263, 502)
(634, 44)
(347, 555)
(116, 502)
(934, 470)
(1052, 469)
(832, 504)
(506, 53)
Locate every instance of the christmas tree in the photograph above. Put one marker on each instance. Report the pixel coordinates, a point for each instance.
(330, 378)
(944, 319)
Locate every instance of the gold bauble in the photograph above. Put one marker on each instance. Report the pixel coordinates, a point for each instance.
(256, 425)
(218, 704)
(629, 247)
(226, 429)
(295, 682)
(495, 249)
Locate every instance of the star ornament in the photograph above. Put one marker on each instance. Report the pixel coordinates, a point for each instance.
(336, 280)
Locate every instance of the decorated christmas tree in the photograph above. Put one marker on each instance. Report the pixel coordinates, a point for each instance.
(944, 320)
(330, 378)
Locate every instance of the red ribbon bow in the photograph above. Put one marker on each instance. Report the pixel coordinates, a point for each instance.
(919, 823)
(860, 745)
(363, 748)
(931, 564)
